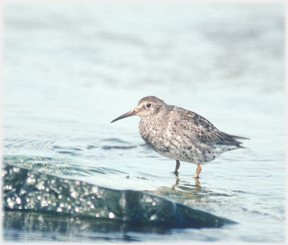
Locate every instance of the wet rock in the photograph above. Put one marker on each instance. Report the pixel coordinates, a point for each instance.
(37, 192)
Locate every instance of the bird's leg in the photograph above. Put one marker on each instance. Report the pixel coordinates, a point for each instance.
(198, 170)
(177, 167)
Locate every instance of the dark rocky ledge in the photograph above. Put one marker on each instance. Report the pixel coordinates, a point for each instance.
(26, 190)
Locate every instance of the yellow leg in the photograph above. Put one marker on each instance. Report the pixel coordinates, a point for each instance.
(198, 170)
(177, 166)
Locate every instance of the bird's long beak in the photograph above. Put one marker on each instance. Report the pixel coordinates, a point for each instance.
(128, 114)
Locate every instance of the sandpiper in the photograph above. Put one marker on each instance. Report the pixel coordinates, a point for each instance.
(180, 134)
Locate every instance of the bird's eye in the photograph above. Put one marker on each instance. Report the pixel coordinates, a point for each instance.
(148, 105)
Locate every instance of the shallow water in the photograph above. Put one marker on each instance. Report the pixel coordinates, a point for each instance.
(70, 69)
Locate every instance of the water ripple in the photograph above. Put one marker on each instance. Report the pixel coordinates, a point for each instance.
(57, 145)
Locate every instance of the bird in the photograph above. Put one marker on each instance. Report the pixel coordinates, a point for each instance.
(180, 134)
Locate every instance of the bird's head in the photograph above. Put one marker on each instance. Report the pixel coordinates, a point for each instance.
(147, 107)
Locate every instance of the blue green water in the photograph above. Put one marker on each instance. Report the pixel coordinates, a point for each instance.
(69, 69)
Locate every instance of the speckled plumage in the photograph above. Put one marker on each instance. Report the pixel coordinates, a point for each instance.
(180, 134)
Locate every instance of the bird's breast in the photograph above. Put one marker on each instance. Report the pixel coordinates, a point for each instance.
(150, 130)
(162, 137)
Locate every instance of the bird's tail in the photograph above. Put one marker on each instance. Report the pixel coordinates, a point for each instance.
(236, 142)
(238, 137)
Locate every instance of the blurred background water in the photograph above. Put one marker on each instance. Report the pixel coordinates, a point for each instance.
(69, 69)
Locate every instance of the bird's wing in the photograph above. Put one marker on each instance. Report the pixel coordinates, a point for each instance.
(203, 130)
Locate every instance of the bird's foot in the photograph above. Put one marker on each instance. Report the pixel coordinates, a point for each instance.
(197, 183)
